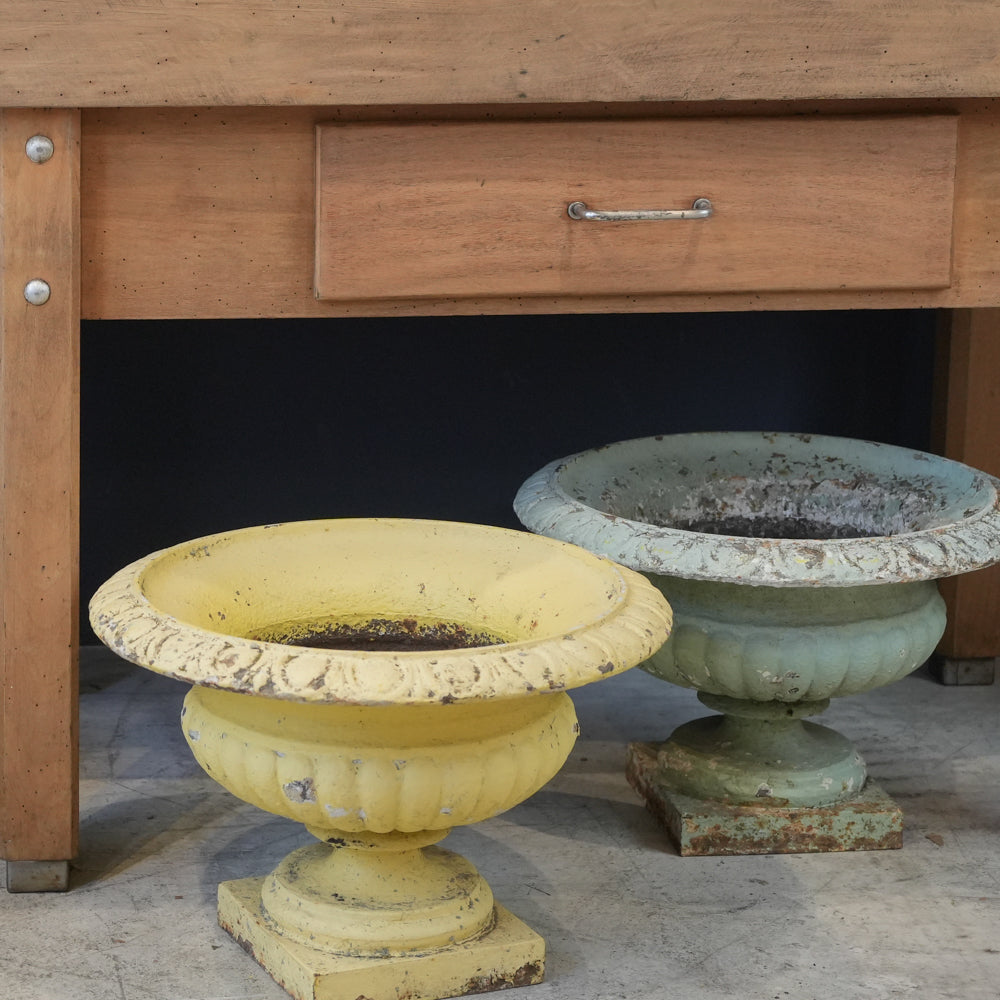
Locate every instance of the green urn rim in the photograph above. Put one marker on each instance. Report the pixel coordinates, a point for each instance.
(645, 503)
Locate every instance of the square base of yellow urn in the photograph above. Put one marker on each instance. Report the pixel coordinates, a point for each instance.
(511, 954)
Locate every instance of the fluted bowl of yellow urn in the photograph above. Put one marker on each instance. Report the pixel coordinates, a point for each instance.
(380, 681)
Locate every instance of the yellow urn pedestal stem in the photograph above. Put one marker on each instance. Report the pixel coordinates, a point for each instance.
(378, 896)
(380, 682)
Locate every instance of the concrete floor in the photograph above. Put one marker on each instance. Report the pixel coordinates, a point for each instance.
(625, 918)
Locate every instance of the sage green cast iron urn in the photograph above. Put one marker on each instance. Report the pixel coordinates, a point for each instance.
(799, 568)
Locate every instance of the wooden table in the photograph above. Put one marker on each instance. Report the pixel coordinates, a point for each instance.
(181, 184)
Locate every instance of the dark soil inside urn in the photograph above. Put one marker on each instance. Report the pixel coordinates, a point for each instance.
(773, 527)
(378, 635)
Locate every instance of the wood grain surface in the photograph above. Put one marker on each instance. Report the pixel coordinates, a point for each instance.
(230, 52)
(467, 209)
(967, 425)
(210, 212)
(39, 465)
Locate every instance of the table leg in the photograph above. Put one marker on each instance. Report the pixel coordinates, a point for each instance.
(967, 428)
(39, 507)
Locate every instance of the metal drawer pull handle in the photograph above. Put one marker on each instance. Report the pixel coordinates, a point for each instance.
(701, 209)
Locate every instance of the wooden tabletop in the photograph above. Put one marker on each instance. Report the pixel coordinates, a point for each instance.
(65, 53)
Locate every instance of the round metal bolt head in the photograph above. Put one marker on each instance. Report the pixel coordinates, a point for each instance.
(39, 148)
(37, 292)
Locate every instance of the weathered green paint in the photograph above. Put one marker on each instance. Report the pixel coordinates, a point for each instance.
(767, 657)
(745, 758)
(868, 821)
(799, 568)
(792, 644)
(649, 504)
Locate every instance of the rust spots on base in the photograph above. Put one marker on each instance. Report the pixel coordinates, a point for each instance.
(527, 975)
(786, 836)
(869, 822)
(248, 947)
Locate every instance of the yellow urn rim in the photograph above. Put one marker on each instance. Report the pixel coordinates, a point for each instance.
(567, 617)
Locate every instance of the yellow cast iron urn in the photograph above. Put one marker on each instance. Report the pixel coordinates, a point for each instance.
(380, 681)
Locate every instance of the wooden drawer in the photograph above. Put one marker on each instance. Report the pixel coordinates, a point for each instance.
(480, 209)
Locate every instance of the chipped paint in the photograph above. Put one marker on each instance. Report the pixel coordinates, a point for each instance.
(364, 745)
(799, 568)
(159, 612)
(302, 790)
(868, 821)
(874, 513)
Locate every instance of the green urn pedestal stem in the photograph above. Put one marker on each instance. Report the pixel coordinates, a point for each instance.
(762, 751)
(799, 568)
